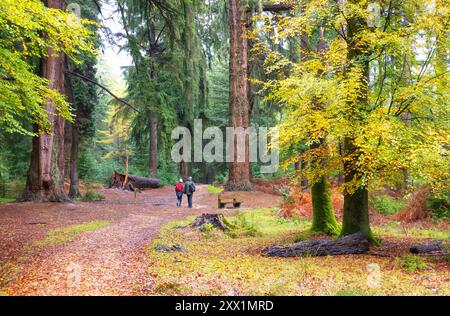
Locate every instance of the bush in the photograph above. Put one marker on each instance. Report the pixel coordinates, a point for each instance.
(439, 206)
(221, 178)
(92, 197)
(240, 225)
(387, 205)
(413, 263)
(423, 204)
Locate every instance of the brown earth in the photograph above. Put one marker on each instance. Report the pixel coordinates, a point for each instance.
(110, 260)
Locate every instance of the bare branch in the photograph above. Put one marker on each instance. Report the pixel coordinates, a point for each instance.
(103, 88)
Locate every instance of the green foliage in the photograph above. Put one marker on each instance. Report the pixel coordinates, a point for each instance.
(91, 196)
(412, 263)
(440, 206)
(208, 230)
(370, 87)
(387, 205)
(5, 200)
(28, 31)
(242, 225)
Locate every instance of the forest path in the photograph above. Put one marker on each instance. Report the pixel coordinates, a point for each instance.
(107, 261)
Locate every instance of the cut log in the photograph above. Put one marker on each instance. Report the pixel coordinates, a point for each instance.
(214, 219)
(352, 244)
(118, 181)
(434, 247)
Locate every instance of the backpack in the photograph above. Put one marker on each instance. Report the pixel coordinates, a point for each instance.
(179, 187)
(189, 188)
(192, 187)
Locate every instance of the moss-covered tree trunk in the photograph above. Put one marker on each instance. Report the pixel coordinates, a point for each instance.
(356, 201)
(324, 220)
(356, 196)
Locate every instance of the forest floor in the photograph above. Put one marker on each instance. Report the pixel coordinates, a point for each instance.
(108, 248)
(95, 248)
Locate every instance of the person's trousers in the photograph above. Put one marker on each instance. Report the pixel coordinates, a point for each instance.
(179, 199)
(190, 200)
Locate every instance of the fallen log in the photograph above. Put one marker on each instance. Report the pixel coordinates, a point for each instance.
(433, 247)
(214, 219)
(174, 248)
(119, 181)
(352, 244)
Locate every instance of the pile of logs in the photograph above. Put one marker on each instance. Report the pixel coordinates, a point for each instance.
(352, 244)
(132, 183)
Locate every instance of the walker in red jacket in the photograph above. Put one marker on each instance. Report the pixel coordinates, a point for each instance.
(179, 192)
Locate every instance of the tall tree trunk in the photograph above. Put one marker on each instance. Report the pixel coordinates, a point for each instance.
(74, 190)
(324, 220)
(45, 182)
(153, 117)
(184, 170)
(356, 202)
(239, 172)
(356, 196)
(153, 150)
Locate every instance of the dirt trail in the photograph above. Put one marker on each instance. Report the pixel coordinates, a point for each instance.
(107, 261)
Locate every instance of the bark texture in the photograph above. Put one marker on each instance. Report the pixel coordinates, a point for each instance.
(239, 172)
(352, 244)
(45, 181)
(435, 247)
(356, 196)
(214, 219)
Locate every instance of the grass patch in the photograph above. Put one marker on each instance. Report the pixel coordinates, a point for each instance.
(412, 263)
(387, 205)
(7, 273)
(214, 190)
(231, 264)
(395, 229)
(352, 292)
(64, 235)
(91, 196)
(7, 200)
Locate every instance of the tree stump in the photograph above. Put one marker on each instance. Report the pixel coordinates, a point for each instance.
(214, 219)
(352, 244)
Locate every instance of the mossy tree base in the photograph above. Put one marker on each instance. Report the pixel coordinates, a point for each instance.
(324, 220)
(356, 214)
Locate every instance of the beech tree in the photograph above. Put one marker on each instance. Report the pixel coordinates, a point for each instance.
(30, 30)
(378, 68)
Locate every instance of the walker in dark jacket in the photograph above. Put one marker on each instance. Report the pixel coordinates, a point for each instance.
(189, 189)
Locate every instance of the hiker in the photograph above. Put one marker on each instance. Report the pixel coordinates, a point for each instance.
(179, 192)
(189, 189)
